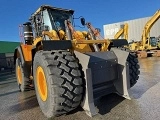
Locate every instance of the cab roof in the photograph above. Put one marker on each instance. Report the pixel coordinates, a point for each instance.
(43, 7)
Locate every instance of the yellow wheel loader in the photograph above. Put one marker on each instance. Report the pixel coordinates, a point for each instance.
(71, 68)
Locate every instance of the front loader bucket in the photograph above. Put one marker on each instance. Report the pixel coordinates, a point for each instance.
(104, 73)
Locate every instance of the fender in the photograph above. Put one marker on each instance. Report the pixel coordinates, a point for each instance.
(24, 52)
(18, 54)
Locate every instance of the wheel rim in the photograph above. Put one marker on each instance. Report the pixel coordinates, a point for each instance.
(41, 83)
(19, 75)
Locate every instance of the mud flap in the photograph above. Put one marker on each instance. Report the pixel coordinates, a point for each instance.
(122, 84)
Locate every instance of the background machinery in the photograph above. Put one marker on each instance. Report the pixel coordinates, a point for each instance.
(123, 31)
(148, 45)
(68, 67)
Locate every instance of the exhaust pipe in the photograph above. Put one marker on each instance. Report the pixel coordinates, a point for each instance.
(28, 34)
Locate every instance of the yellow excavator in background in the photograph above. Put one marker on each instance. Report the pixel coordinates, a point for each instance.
(148, 45)
(123, 31)
(70, 68)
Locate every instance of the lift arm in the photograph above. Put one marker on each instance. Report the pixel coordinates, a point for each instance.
(122, 31)
(147, 28)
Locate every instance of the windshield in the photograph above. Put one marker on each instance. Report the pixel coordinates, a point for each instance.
(58, 18)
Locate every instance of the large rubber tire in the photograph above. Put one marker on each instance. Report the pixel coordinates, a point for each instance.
(133, 68)
(62, 90)
(22, 78)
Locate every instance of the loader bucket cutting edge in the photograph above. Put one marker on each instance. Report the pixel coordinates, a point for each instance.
(104, 73)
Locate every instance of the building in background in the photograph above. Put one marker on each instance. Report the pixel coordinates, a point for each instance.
(6, 54)
(135, 29)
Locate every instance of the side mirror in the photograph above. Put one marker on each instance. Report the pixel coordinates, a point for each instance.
(83, 21)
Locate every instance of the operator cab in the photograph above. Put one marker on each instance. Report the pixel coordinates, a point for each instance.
(153, 41)
(50, 18)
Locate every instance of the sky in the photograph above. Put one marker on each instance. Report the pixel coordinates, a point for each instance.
(98, 12)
